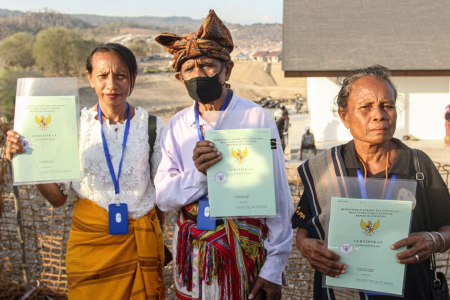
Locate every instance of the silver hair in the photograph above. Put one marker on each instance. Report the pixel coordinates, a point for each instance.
(376, 71)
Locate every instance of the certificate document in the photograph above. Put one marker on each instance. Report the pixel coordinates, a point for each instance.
(242, 183)
(48, 127)
(362, 232)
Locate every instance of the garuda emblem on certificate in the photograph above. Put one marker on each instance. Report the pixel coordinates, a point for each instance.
(43, 122)
(369, 228)
(239, 155)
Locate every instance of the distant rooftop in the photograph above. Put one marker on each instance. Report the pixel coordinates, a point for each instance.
(274, 53)
(259, 53)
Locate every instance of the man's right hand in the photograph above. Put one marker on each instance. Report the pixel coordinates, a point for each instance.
(205, 155)
(13, 144)
(320, 258)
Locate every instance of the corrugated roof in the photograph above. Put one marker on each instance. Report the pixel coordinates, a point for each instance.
(323, 35)
(260, 53)
(274, 53)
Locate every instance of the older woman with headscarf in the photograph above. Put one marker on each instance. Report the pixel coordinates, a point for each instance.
(367, 106)
(241, 256)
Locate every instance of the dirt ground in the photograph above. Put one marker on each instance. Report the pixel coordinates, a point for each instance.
(163, 95)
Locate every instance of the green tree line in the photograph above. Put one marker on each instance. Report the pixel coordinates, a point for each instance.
(55, 51)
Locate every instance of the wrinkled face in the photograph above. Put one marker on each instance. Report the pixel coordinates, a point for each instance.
(109, 78)
(371, 114)
(204, 66)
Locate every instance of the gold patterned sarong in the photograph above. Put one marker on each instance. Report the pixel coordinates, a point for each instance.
(104, 266)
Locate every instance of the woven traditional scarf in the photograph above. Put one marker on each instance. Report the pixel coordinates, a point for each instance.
(213, 39)
(233, 253)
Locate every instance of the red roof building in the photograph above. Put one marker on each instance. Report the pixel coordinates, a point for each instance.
(274, 56)
(259, 55)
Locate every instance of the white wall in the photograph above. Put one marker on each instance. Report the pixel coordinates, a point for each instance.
(426, 115)
(432, 84)
(413, 88)
(425, 100)
(324, 125)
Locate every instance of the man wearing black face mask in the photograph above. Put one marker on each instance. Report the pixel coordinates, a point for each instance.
(204, 87)
(205, 78)
(247, 270)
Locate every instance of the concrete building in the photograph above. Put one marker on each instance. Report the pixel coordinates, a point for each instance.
(259, 55)
(323, 40)
(274, 56)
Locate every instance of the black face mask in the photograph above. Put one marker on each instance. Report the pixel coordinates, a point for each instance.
(204, 89)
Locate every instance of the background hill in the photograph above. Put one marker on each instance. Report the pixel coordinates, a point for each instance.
(5, 12)
(181, 25)
(145, 21)
(257, 31)
(47, 43)
(14, 21)
(32, 22)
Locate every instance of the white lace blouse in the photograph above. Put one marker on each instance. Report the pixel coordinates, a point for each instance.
(136, 188)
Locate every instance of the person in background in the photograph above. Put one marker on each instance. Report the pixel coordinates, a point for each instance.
(307, 142)
(447, 125)
(366, 105)
(100, 265)
(209, 264)
(286, 124)
(282, 124)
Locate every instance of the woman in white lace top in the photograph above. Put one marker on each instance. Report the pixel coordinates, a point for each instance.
(102, 262)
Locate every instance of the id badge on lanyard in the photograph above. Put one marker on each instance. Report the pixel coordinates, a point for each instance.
(118, 218)
(204, 221)
(118, 212)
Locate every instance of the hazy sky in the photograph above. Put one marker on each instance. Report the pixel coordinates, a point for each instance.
(234, 11)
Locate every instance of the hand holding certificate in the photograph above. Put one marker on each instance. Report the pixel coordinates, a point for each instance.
(48, 128)
(362, 233)
(242, 183)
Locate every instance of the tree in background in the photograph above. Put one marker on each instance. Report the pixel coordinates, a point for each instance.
(17, 50)
(155, 48)
(139, 47)
(52, 48)
(61, 52)
(8, 83)
(78, 52)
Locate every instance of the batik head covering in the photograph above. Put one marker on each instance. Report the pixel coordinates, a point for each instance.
(213, 39)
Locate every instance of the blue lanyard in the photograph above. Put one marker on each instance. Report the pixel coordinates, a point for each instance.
(197, 113)
(108, 157)
(362, 185)
(387, 196)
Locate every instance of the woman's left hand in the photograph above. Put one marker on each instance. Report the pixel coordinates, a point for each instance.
(421, 246)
